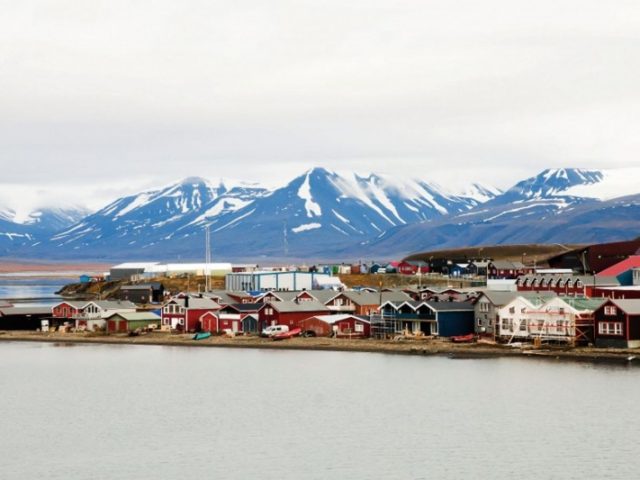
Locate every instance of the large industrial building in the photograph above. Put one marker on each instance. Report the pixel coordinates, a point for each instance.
(264, 281)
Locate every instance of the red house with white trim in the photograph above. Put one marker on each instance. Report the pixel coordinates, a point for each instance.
(187, 313)
(289, 313)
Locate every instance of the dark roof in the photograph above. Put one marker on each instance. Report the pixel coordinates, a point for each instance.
(307, 306)
(25, 311)
(246, 307)
(450, 306)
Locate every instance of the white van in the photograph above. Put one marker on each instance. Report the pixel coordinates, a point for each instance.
(272, 330)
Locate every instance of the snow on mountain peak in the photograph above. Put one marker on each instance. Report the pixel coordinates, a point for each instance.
(304, 192)
(612, 183)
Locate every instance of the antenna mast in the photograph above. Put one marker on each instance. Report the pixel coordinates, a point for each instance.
(207, 259)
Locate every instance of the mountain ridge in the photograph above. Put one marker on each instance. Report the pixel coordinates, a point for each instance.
(323, 213)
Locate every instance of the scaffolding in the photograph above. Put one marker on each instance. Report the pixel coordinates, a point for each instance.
(384, 326)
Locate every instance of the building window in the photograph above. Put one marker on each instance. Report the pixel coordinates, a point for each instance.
(610, 328)
(610, 310)
(358, 327)
(523, 326)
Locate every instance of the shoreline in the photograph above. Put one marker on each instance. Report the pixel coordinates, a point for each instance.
(406, 347)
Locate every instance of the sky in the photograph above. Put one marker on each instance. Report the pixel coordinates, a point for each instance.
(104, 98)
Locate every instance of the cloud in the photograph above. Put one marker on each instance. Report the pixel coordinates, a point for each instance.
(102, 97)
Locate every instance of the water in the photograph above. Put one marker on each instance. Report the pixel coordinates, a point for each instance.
(142, 412)
(31, 292)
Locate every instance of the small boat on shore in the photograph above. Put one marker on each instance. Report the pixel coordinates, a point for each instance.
(286, 335)
(201, 335)
(463, 338)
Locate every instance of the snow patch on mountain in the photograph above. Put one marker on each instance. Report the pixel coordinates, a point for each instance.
(304, 192)
(306, 227)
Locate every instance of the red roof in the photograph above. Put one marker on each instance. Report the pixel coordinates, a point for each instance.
(624, 266)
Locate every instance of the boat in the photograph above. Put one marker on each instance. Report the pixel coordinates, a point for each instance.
(463, 338)
(286, 335)
(201, 335)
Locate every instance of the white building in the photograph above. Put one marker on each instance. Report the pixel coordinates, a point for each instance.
(264, 281)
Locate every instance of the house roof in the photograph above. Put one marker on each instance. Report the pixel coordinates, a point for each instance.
(307, 306)
(449, 306)
(73, 303)
(394, 296)
(112, 304)
(629, 306)
(286, 295)
(246, 307)
(580, 303)
(506, 265)
(500, 299)
(133, 265)
(435, 306)
(24, 311)
(133, 316)
(323, 296)
(197, 303)
(621, 267)
(331, 319)
(363, 297)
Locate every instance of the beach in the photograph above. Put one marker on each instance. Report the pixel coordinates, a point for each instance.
(417, 346)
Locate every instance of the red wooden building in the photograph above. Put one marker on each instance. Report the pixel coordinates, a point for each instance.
(237, 318)
(67, 309)
(186, 313)
(617, 324)
(349, 326)
(289, 313)
(357, 303)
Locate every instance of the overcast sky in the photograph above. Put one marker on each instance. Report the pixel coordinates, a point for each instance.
(118, 95)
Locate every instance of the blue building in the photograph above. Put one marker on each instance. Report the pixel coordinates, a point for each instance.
(444, 319)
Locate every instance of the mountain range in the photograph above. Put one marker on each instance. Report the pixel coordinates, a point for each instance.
(328, 215)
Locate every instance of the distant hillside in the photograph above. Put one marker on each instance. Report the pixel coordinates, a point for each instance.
(530, 252)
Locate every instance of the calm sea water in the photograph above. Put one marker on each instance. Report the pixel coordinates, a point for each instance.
(127, 412)
(31, 291)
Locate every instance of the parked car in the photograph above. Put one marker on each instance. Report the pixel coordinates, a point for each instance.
(272, 330)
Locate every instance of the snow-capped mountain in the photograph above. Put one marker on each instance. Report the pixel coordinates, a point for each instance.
(325, 214)
(321, 209)
(312, 213)
(26, 228)
(540, 209)
(154, 217)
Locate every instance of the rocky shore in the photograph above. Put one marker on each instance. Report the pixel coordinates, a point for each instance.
(403, 347)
